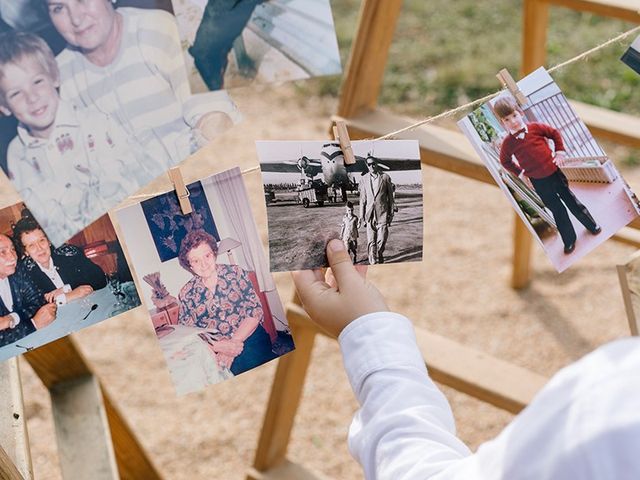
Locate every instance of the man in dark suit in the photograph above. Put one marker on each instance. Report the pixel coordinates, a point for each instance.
(376, 208)
(22, 305)
(223, 21)
(63, 274)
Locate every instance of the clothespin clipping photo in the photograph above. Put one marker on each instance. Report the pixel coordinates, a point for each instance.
(341, 134)
(175, 174)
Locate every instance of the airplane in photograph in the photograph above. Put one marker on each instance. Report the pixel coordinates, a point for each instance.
(333, 169)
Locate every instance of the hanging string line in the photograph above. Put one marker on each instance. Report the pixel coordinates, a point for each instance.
(143, 196)
(456, 110)
(486, 98)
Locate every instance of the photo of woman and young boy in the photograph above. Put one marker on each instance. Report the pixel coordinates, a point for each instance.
(98, 106)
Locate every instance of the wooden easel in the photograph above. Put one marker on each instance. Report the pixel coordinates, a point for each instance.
(97, 443)
(467, 370)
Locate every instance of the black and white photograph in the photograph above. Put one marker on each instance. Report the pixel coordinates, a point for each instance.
(206, 282)
(556, 176)
(96, 103)
(48, 292)
(312, 196)
(631, 56)
(235, 43)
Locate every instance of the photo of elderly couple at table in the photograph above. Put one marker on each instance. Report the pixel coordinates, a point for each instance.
(191, 358)
(57, 291)
(588, 171)
(118, 96)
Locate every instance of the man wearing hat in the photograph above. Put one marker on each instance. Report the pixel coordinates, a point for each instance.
(376, 208)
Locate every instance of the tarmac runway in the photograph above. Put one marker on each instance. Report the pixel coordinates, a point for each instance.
(298, 235)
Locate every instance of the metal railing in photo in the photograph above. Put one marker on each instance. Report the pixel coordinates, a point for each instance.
(465, 369)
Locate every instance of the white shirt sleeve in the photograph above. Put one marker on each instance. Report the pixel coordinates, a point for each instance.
(584, 424)
(404, 428)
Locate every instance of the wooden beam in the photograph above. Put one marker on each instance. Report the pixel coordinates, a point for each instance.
(285, 471)
(439, 147)
(62, 361)
(368, 59)
(521, 262)
(466, 369)
(8, 470)
(14, 437)
(535, 21)
(609, 125)
(447, 150)
(622, 9)
(286, 392)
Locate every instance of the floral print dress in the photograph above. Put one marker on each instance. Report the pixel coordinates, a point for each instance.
(233, 300)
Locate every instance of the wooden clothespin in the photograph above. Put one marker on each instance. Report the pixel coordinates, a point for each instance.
(175, 174)
(341, 134)
(510, 84)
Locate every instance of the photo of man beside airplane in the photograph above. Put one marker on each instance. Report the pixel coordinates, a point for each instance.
(362, 203)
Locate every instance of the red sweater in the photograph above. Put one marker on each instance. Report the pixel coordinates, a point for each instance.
(533, 154)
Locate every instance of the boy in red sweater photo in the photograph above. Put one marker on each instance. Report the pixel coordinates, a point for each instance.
(526, 153)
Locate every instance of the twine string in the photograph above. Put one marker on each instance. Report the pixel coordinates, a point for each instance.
(486, 98)
(460, 108)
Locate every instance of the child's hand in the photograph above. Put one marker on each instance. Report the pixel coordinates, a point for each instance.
(213, 124)
(335, 300)
(560, 158)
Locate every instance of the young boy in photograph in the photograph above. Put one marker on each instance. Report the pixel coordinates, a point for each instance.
(349, 231)
(528, 143)
(69, 164)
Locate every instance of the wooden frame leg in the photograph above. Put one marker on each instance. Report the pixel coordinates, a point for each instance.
(522, 242)
(15, 456)
(535, 16)
(61, 361)
(286, 393)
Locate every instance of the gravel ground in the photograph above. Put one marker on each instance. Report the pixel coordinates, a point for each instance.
(460, 290)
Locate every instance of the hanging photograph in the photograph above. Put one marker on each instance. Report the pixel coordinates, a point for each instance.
(561, 183)
(235, 43)
(632, 56)
(88, 117)
(312, 196)
(48, 292)
(213, 303)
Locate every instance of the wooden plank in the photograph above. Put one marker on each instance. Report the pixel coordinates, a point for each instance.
(535, 21)
(521, 262)
(14, 437)
(285, 471)
(439, 147)
(82, 430)
(445, 149)
(8, 470)
(62, 361)
(286, 392)
(368, 57)
(500, 383)
(623, 9)
(624, 270)
(480, 375)
(609, 125)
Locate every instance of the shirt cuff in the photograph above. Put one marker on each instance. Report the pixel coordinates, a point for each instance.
(16, 319)
(378, 341)
(66, 288)
(200, 104)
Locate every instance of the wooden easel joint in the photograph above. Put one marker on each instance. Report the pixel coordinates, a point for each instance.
(175, 174)
(510, 84)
